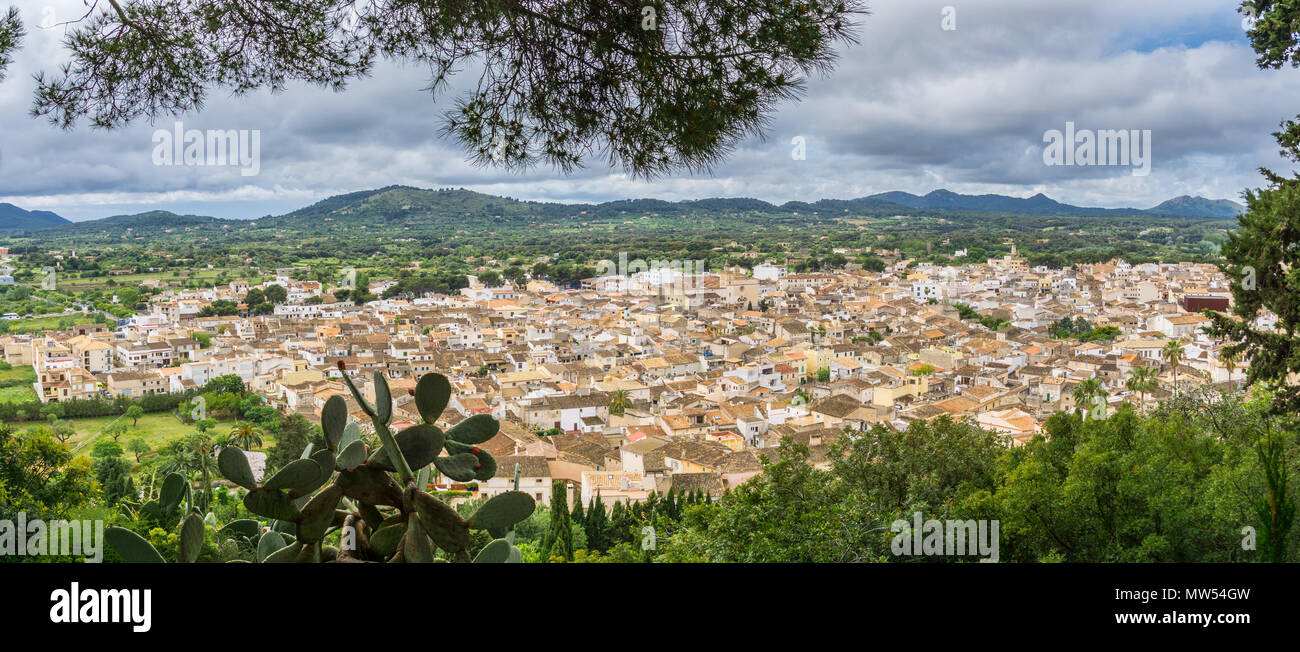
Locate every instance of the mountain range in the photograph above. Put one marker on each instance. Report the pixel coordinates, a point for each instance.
(395, 200)
(1040, 204)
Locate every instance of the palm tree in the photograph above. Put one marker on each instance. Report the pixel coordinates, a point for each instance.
(1086, 390)
(186, 455)
(1229, 361)
(246, 435)
(619, 402)
(1173, 354)
(222, 441)
(176, 457)
(203, 460)
(1142, 380)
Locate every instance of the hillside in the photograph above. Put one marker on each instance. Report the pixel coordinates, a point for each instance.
(12, 217)
(152, 220)
(1198, 206)
(403, 205)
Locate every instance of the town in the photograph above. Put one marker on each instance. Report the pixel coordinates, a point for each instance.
(675, 378)
(977, 300)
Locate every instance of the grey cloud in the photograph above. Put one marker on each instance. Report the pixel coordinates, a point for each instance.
(910, 108)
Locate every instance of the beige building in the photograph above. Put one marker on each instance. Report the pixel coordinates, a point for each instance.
(94, 355)
(136, 383)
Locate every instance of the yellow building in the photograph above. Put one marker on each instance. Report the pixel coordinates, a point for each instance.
(816, 360)
(912, 386)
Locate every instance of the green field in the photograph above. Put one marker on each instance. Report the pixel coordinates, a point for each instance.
(18, 393)
(37, 324)
(157, 429)
(73, 283)
(24, 372)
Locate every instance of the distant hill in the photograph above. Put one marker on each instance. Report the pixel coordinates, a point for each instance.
(1041, 204)
(1198, 206)
(730, 204)
(404, 205)
(12, 217)
(460, 209)
(861, 205)
(147, 220)
(156, 218)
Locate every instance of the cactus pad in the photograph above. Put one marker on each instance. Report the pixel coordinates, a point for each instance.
(131, 546)
(432, 394)
(271, 503)
(192, 538)
(503, 511)
(475, 430)
(233, 464)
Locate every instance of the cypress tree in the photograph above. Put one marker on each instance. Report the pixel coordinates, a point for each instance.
(620, 525)
(597, 525)
(114, 475)
(1275, 509)
(577, 516)
(559, 536)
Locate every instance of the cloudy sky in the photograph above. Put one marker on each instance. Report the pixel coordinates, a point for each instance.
(913, 107)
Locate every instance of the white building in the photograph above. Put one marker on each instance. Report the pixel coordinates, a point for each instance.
(769, 272)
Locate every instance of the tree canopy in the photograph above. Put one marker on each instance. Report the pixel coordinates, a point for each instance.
(1261, 256)
(1178, 485)
(649, 86)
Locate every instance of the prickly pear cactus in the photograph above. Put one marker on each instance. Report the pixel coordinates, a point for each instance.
(502, 549)
(174, 505)
(377, 501)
